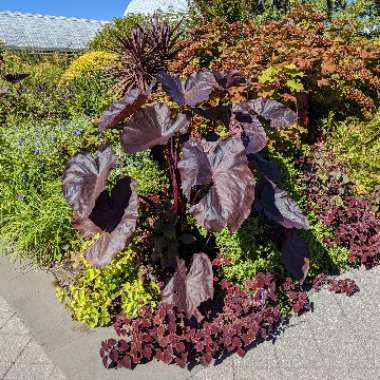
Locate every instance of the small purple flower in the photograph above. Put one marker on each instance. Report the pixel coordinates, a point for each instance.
(21, 142)
(37, 151)
(78, 132)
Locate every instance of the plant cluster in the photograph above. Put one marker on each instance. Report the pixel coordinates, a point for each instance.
(247, 316)
(357, 145)
(298, 59)
(354, 220)
(95, 296)
(346, 286)
(210, 174)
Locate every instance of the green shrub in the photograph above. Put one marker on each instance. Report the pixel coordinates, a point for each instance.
(357, 144)
(99, 294)
(250, 250)
(88, 64)
(149, 176)
(107, 37)
(33, 212)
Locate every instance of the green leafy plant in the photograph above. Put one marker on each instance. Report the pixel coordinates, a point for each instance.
(97, 295)
(357, 144)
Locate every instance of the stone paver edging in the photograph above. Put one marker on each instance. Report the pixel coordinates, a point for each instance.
(340, 340)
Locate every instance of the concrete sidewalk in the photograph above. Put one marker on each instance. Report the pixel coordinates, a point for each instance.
(22, 358)
(340, 340)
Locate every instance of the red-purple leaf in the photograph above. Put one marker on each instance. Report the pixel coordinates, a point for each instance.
(196, 89)
(117, 216)
(273, 111)
(130, 103)
(84, 179)
(232, 79)
(295, 255)
(278, 206)
(222, 164)
(249, 128)
(150, 127)
(188, 290)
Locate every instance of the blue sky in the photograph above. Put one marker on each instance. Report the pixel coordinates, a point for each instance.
(96, 9)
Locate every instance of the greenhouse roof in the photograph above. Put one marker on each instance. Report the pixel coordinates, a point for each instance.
(35, 32)
(151, 6)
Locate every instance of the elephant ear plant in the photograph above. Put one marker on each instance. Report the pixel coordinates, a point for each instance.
(219, 181)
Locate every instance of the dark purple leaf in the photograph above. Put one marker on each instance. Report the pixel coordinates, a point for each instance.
(232, 79)
(150, 127)
(196, 89)
(84, 179)
(249, 127)
(216, 114)
(268, 169)
(116, 215)
(222, 164)
(278, 206)
(14, 78)
(273, 111)
(195, 168)
(188, 290)
(295, 255)
(130, 103)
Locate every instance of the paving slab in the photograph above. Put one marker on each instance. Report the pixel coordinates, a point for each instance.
(38, 339)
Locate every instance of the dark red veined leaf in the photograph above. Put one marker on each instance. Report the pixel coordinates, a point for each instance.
(150, 127)
(84, 179)
(231, 79)
(14, 78)
(196, 89)
(222, 164)
(273, 111)
(188, 290)
(116, 215)
(249, 127)
(295, 255)
(278, 206)
(130, 103)
(268, 169)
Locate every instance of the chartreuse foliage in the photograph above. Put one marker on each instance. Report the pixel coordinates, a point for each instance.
(89, 64)
(250, 251)
(357, 144)
(98, 294)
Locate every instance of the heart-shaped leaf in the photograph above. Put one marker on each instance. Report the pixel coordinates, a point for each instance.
(188, 290)
(228, 80)
(223, 165)
(268, 169)
(273, 111)
(116, 216)
(249, 127)
(295, 255)
(130, 103)
(278, 206)
(196, 89)
(84, 179)
(150, 127)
